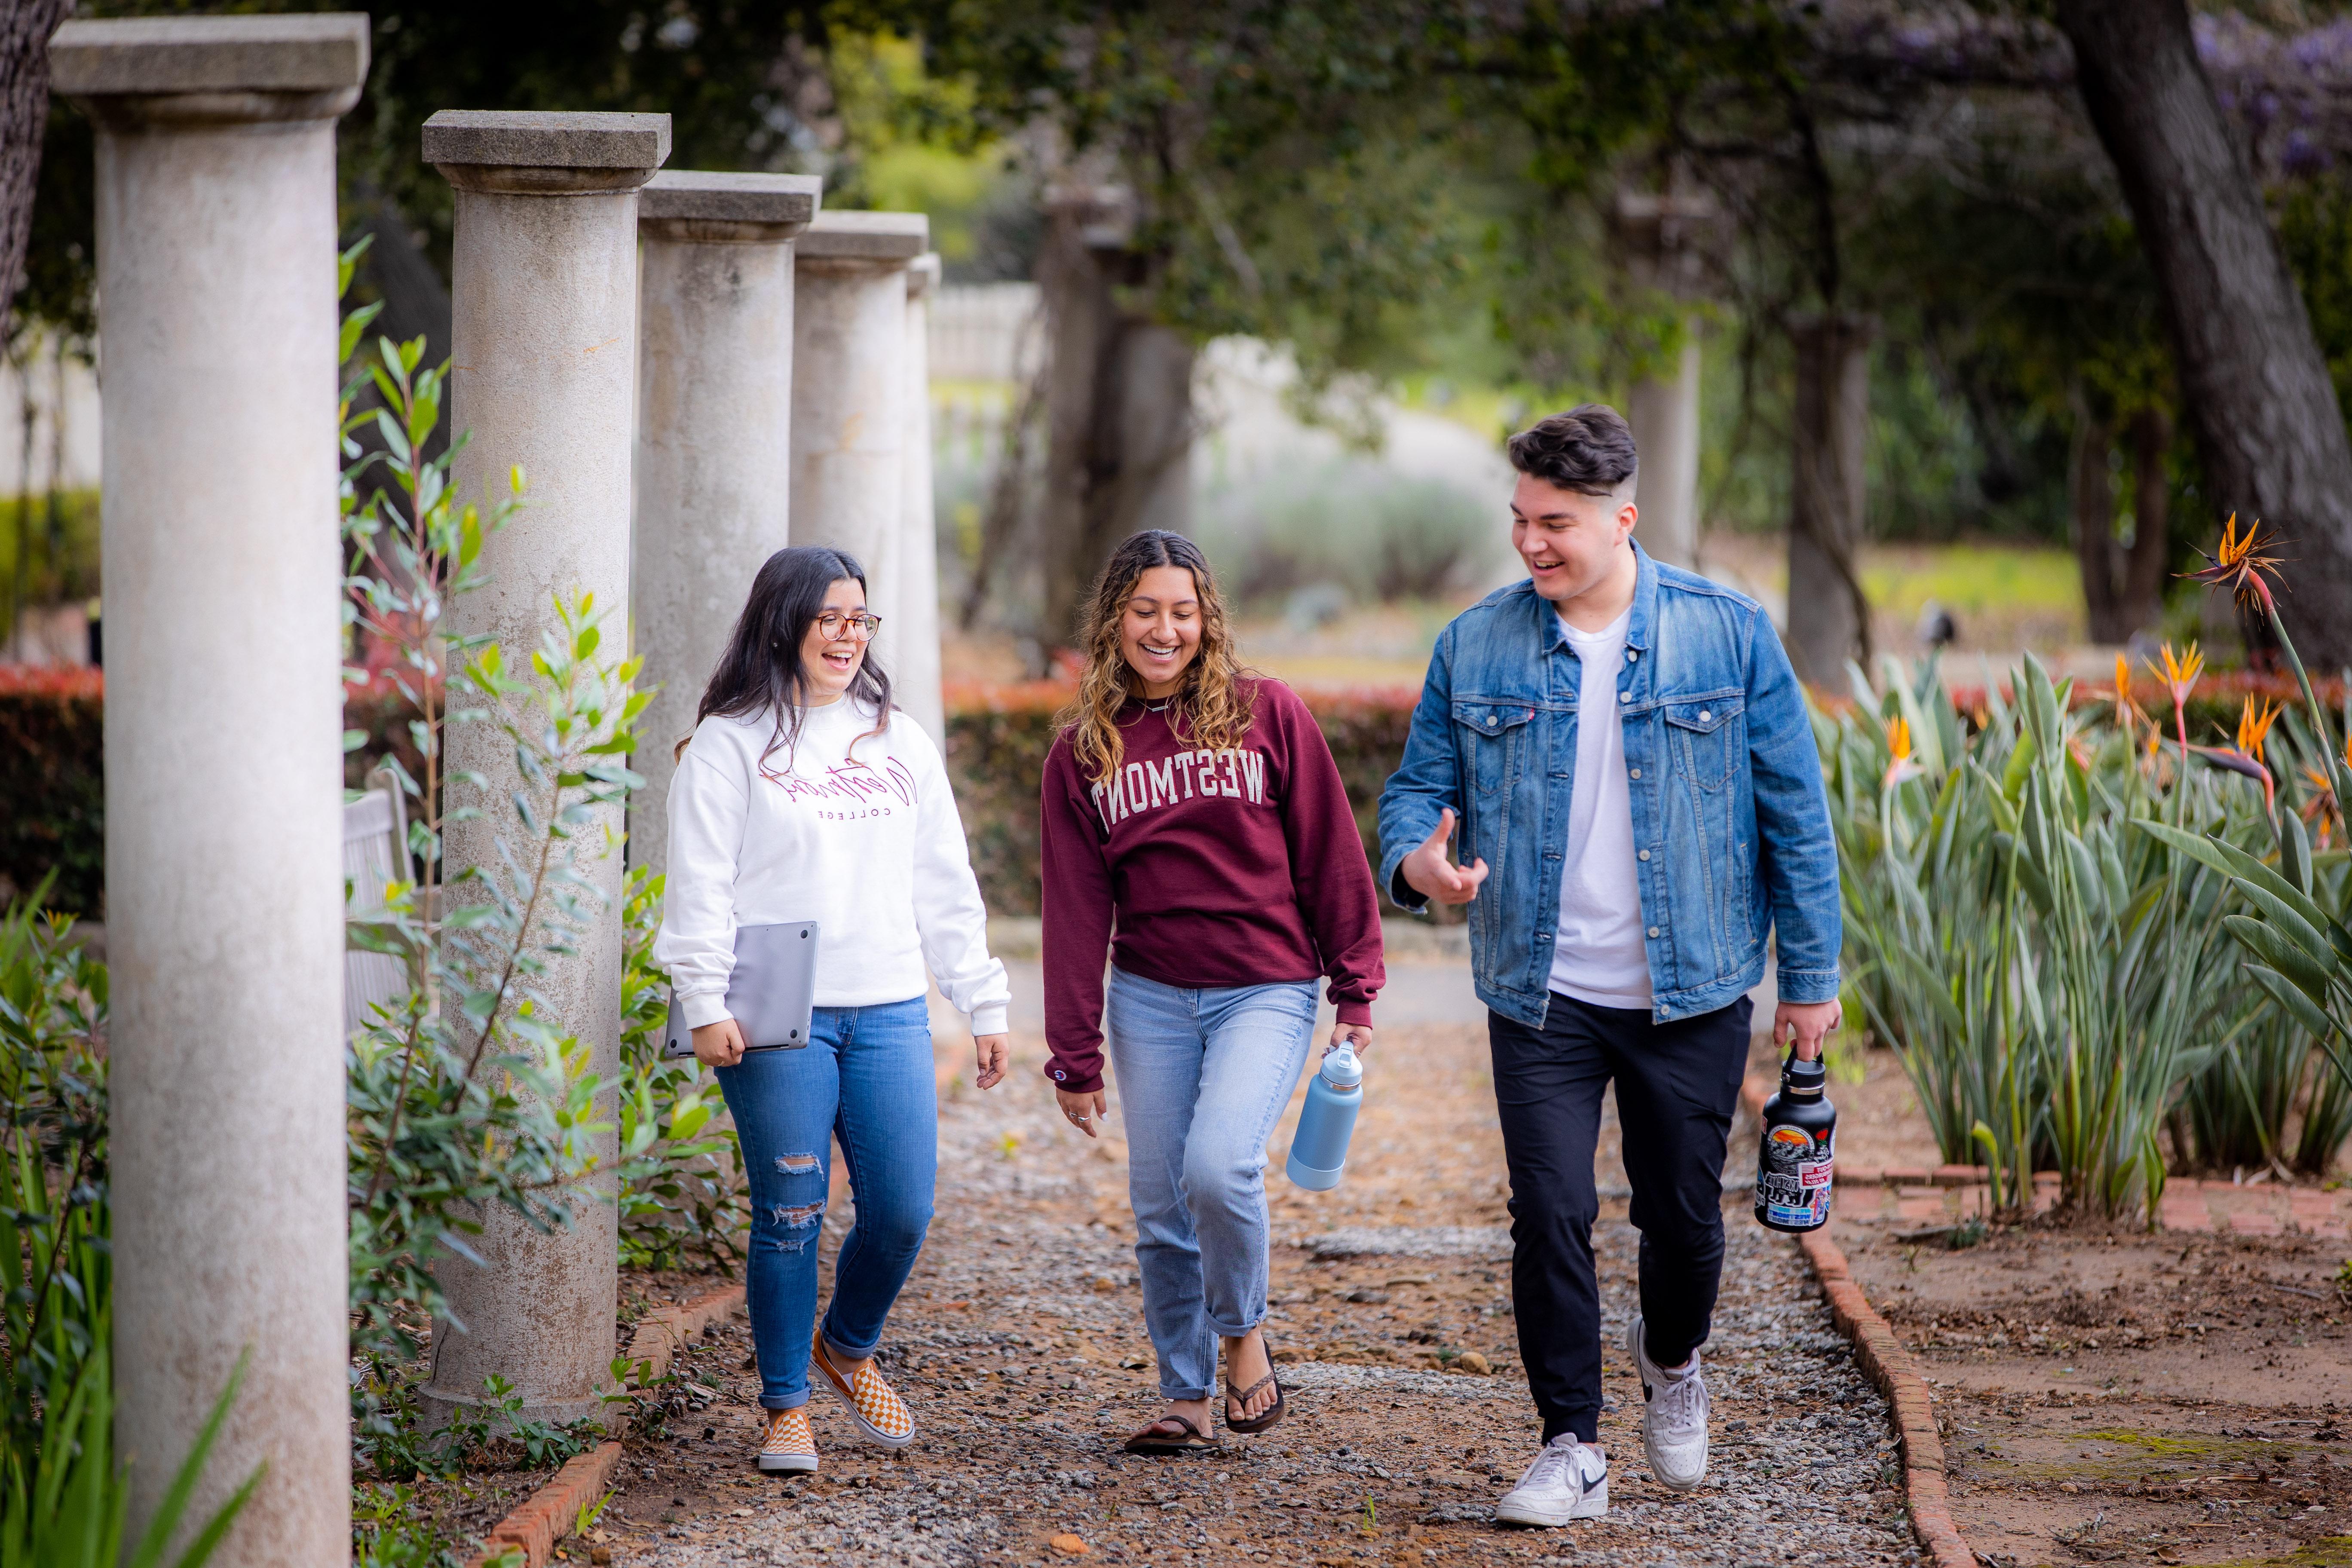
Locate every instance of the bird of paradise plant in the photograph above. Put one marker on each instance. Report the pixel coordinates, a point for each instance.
(2245, 756)
(2178, 677)
(2244, 564)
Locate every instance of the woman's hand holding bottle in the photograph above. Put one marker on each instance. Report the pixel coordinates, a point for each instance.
(1357, 1037)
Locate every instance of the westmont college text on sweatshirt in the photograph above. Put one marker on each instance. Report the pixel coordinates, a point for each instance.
(1227, 868)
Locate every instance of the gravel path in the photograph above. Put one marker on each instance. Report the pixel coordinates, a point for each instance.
(1020, 1347)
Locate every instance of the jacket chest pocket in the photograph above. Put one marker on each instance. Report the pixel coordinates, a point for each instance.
(1707, 738)
(1494, 741)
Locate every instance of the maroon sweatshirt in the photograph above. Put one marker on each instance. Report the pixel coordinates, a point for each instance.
(1233, 868)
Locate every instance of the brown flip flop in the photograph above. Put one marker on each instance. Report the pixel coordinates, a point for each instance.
(1240, 1398)
(1152, 1440)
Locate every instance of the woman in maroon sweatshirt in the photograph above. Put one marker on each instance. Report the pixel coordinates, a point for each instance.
(1195, 829)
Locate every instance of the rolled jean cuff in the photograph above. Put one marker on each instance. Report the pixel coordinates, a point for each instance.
(1186, 1395)
(1226, 1330)
(768, 1404)
(833, 1347)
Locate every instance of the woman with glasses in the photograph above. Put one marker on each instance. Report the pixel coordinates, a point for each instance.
(1196, 828)
(804, 795)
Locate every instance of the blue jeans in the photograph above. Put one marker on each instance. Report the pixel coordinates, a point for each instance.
(1202, 1075)
(866, 1078)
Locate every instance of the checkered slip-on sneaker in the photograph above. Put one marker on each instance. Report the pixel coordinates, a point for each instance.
(788, 1443)
(881, 1417)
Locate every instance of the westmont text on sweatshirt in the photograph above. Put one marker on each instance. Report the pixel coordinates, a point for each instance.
(1228, 868)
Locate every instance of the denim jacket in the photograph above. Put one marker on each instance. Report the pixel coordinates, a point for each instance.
(1731, 823)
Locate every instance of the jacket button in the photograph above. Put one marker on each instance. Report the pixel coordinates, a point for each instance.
(1624, 697)
(1637, 773)
(1632, 654)
(1646, 855)
(1703, 716)
(1491, 721)
(1653, 931)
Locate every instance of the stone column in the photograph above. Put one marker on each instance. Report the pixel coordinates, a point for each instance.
(215, 162)
(850, 335)
(1828, 619)
(714, 471)
(915, 668)
(542, 341)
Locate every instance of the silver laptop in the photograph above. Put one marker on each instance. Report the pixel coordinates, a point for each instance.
(771, 992)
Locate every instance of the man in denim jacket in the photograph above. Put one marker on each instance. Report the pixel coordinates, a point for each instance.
(1629, 754)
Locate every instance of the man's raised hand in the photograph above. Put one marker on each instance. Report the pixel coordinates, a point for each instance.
(1428, 871)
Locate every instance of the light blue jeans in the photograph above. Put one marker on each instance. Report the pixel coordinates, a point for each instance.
(866, 1078)
(1202, 1075)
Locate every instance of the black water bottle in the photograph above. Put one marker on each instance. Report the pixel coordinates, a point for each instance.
(1796, 1161)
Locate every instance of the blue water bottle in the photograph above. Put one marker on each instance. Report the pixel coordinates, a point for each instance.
(1318, 1152)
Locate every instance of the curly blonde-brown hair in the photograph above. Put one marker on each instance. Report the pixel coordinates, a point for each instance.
(1210, 705)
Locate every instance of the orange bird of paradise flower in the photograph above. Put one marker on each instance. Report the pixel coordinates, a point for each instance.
(1898, 743)
(2179, 676)
(2246, 757)
(2254, 727)
(2239, 563)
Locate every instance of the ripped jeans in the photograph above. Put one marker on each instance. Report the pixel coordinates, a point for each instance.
(866, 1078)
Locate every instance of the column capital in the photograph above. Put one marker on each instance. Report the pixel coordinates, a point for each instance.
(923, 275)
(133, 71)
(864, 241)
(713, 208)
(545, 153)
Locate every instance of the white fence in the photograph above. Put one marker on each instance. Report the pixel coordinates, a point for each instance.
(986, 331)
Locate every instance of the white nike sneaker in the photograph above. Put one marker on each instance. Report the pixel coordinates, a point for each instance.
(1674, 1418)
(1567, 1480)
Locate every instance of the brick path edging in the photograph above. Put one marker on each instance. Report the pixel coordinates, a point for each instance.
(1886, 1361)
(550, 1514)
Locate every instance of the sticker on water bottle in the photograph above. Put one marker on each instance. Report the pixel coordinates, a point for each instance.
(1794, 1178)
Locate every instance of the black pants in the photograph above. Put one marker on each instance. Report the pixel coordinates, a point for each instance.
(1677, 1086)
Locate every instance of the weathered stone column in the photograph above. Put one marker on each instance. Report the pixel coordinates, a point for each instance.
(542, 342)
(216, 281)
(714, 411)
(850, 335)
(916, 664)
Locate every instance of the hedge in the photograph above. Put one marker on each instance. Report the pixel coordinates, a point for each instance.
(52, 783)
(52, 768)
(998, 737)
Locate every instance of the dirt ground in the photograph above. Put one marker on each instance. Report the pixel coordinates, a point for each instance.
(1020, 1346)
(2110, 1394)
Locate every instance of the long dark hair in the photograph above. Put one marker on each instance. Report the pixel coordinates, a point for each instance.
(761, 671)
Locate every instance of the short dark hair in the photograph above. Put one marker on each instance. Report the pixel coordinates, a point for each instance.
(1588, 450)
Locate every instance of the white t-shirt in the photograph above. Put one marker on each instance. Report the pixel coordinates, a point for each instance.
(855, 831)
(1597, 954)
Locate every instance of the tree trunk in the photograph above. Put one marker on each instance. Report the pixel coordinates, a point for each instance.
(24, 29)
(1829, 618)
(1119, 412)
(2269, 434)
(2151, 432)
(2090, 502)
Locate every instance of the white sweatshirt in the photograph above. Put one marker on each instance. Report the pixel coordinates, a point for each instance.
(855, 831)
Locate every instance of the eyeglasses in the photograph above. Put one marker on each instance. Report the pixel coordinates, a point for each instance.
(834, 623)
